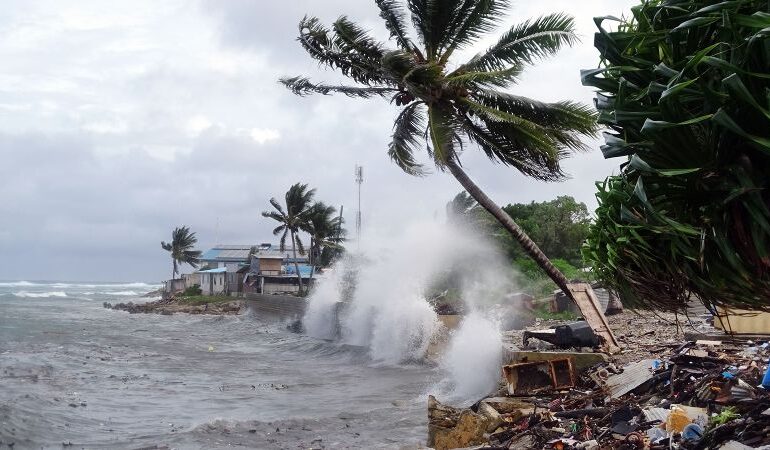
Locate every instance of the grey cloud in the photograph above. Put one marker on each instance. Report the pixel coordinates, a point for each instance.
(94, 175)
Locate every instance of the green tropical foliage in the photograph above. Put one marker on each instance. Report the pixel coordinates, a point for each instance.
(181, 249)
(326, 234)
(448, 106)
(684, 89)
(293, 218)
(559, 227)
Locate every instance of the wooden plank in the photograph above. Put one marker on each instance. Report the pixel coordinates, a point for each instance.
(586, 300)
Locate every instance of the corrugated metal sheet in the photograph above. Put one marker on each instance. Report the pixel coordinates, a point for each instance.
(632, 377)
(734, 445)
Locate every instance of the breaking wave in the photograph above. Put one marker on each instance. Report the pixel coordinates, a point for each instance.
(25, 294)
(16, 284)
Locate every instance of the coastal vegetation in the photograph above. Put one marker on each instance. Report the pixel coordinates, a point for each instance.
(300, 213)
(450, 106)
(181, 249)
(559, 227)
(683, 91)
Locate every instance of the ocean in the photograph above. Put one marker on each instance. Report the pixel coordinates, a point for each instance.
(78, 375)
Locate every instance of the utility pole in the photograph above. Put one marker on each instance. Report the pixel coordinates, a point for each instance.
(359, 181)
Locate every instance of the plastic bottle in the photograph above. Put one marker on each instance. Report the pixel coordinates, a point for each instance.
(766, 380)
(677, 419)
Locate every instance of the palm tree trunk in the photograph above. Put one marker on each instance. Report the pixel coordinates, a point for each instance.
(296, 265)
(508, 223)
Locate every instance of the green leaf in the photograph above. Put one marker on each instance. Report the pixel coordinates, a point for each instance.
(724, 119)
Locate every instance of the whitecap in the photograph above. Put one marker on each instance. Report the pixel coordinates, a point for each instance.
(16, 284)
(25, 294)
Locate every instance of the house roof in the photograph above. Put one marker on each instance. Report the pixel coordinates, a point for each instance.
(227, 253)
(240, 253)
(217, 270)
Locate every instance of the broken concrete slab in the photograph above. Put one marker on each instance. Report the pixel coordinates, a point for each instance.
(580, 361)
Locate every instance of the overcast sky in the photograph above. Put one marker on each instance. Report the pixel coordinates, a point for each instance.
(120, 120)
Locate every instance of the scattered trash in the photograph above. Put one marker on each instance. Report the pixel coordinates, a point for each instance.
(577, 334)
(700, 394)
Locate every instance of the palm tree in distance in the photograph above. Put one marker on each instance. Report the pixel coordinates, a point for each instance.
(448, 107)
(181, 249)
(326, 233)
(293, 219)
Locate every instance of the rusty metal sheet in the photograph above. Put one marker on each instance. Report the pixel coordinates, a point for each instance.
(540, 376)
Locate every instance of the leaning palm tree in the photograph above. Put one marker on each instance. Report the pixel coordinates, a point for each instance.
(449, 106)
(181, 249)
(293, 219)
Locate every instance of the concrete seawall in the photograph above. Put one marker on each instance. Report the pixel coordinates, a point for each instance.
(281, 307)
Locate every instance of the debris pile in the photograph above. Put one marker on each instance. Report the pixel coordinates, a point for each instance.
(702, 394)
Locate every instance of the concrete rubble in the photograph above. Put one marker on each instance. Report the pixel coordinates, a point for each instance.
(662, 394)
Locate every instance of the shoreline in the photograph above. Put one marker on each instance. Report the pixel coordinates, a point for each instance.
(214, 305)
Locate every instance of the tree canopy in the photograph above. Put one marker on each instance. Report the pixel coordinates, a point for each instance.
(683, 90)
(448, 106)
(558, 226)
(181, 249)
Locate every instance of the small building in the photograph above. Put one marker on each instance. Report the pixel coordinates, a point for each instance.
(233, 257)
(285, 282)
(213, 281)
(191, 279)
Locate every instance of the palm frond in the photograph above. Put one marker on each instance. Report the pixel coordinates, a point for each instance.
(442, 133)
(353, 39)
(527, 42)
(508, 150)
(472, 19)
(302, 86)
(485, 79)
(282, 242)
(323, 45)
(564, 115)
(277, 230)
(278, 207)
(394, 17)
(406, 135)
(300, 245)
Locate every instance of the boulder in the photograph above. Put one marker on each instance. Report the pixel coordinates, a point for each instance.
(450, 428)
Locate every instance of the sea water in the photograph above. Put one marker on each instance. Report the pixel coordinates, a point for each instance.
(74, 372)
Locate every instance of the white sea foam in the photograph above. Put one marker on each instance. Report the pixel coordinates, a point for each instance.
(122, 293)
(16, 284)
(59, 285)
(25, 294)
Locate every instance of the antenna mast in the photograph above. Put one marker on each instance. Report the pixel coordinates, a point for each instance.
(359, 182)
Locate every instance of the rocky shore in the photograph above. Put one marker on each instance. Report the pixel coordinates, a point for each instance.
(195, 305)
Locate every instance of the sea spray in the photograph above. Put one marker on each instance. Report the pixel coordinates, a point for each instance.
(384, 288)
(473, 360)
(320, 319)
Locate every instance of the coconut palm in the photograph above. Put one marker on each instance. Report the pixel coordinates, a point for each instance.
(181, 249)
(326, 232)
(449, 106)
(295, 217)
